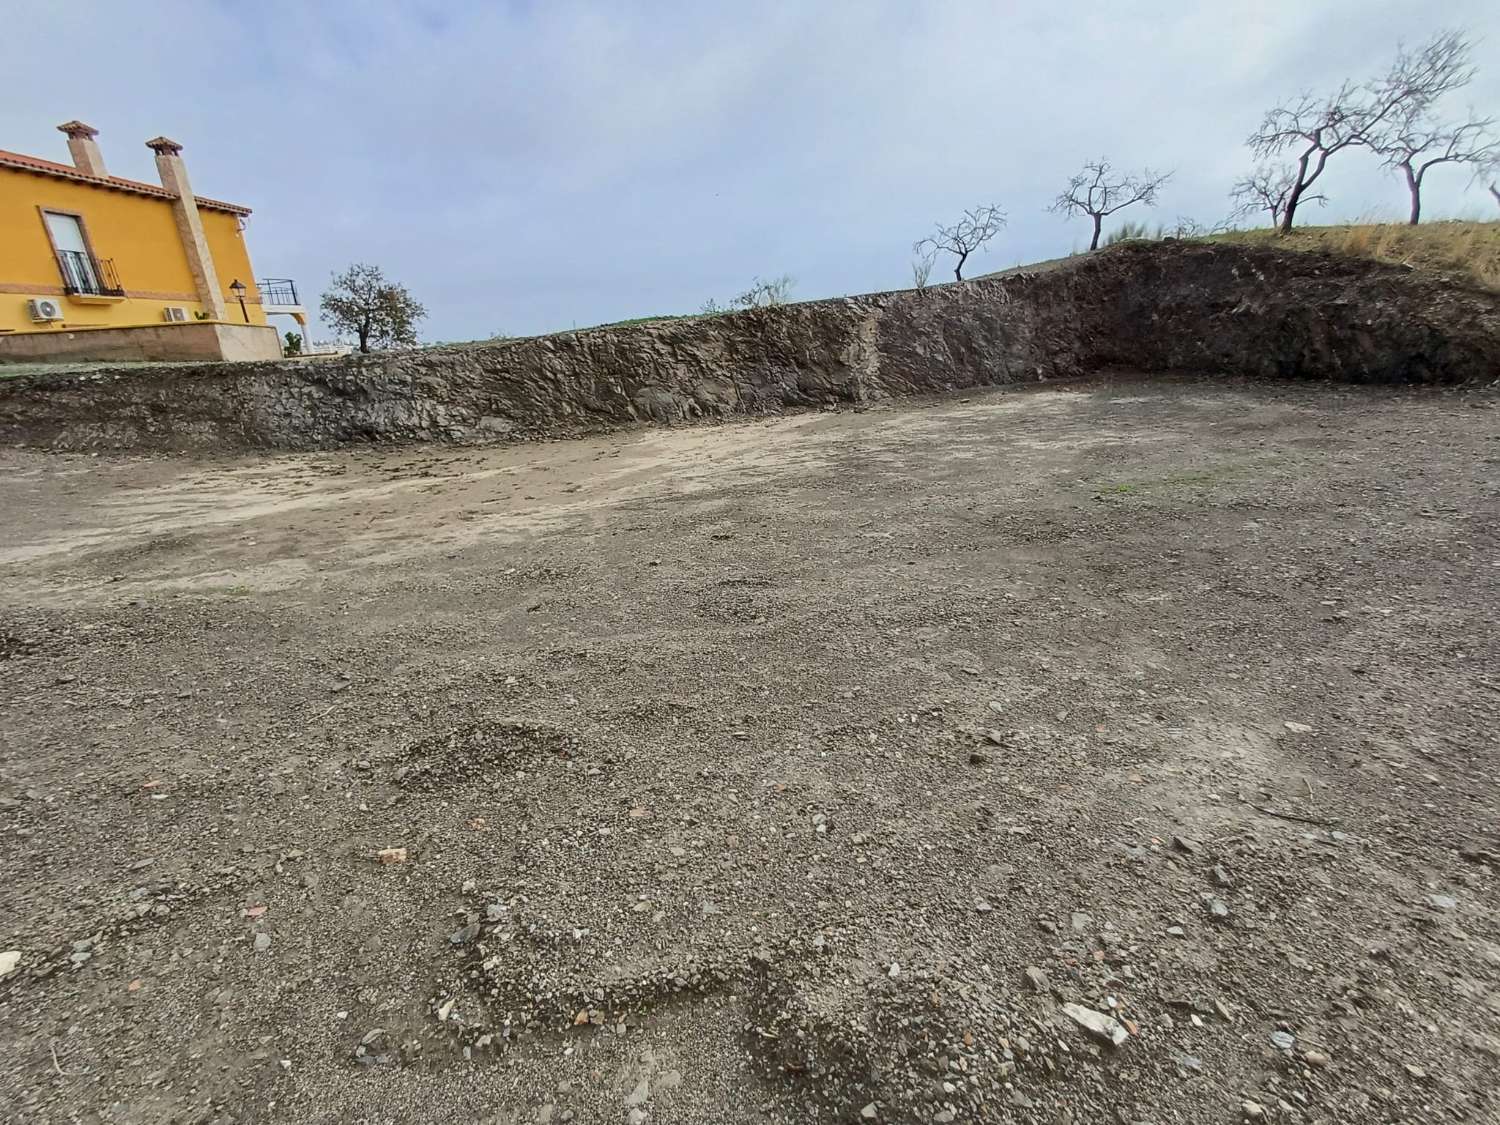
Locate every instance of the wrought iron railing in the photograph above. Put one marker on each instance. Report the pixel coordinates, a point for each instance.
(277, 291)
(89, 276)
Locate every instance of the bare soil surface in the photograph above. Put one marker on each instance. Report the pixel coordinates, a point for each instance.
(838, 767)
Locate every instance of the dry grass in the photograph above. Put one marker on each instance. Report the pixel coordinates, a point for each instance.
(1467, 248)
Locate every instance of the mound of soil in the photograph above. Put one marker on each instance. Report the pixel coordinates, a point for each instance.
(1205, 308)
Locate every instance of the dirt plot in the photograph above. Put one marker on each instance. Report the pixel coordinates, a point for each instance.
(1121, 751)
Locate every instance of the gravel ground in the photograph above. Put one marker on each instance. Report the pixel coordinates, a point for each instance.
(1122, 751)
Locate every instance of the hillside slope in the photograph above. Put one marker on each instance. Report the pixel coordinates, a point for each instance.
(1469, 249)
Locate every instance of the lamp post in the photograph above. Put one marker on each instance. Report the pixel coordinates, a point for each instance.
(237, 287)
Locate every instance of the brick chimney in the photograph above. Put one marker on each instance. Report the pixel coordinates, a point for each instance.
(174, 177)
(83, 148)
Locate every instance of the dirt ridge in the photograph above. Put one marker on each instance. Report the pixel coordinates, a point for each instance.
(1208, 308)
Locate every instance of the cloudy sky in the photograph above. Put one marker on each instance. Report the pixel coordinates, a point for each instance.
(538, 164)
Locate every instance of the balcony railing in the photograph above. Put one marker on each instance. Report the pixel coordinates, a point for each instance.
(87, 276)
(277, 291)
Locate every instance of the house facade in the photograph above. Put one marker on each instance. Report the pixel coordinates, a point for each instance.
(96, 267)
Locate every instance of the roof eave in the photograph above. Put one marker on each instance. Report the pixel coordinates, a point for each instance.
(130, 187)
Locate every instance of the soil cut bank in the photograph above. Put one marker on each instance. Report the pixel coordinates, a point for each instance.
(1222, 309)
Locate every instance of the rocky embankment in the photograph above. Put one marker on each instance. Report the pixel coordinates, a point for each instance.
(1214, 309)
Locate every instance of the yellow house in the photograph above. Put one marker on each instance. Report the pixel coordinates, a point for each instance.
(96, 267)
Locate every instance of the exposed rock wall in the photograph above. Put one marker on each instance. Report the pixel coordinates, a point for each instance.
(1152, 306)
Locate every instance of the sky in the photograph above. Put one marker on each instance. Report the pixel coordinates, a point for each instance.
(536, 165)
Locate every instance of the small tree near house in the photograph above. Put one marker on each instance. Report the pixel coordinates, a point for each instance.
(360, 302)
(976, 227)
(1099, 191)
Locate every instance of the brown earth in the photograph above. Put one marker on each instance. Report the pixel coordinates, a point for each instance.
(1232, 310)
(744, 772)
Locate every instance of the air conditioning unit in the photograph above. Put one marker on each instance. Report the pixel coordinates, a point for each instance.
(174, 313)
(43, 309)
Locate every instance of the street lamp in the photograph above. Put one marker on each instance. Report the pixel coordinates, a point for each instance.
(237, 287)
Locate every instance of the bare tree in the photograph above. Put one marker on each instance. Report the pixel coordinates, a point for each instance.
(1099, 191)
(764, 294)
(1186, 226)
(376, 311)
(761, 295)
(1413, 140)
(1267, 189)
(977, 226)
(1418, 147)
(1315, 129)
(1488, 174)
(921, 269)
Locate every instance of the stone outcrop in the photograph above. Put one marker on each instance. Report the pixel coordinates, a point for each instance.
(1196, 307)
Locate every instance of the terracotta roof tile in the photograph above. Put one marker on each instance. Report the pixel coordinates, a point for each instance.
(68, 172)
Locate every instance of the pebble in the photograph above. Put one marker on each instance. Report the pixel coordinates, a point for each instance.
(1283, 1040)
(1298, 728)
(982, 907)
(1253, 1110)
(464, 934)
(1221, 877)
(1038, 979)
(1187, 844)
(1218, 907)
(1105, 1027)
(262, 942)
(1176, 931)
(1081, 921)
(637, 1116)
(1442, 902)
(9, 960)
(1315, 1059)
